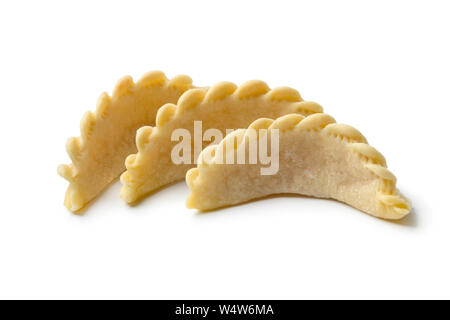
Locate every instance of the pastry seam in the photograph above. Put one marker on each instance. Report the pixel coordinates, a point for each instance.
(196, 98)
(373, 160)
(75, 146)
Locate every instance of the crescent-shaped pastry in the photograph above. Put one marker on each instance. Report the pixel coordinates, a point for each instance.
(223, 106)
(317, 157)
(107, 136)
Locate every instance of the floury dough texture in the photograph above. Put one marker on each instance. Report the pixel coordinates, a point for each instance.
(317, 157)
(108, 135)
(223, 106)
(131, 135)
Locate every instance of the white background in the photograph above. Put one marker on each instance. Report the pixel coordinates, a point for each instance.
(381, 66)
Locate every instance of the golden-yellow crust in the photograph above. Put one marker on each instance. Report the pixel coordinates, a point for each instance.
(222, 106)
(391, 203)
(107, 136)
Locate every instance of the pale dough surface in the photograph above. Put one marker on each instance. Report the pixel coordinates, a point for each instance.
(223, 106)
(108, 135)
(316, 158)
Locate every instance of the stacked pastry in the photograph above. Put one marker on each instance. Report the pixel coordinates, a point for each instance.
(132, 134)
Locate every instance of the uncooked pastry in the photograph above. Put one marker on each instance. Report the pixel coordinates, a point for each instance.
(107, 136)
(223, 106)
(317, 157)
